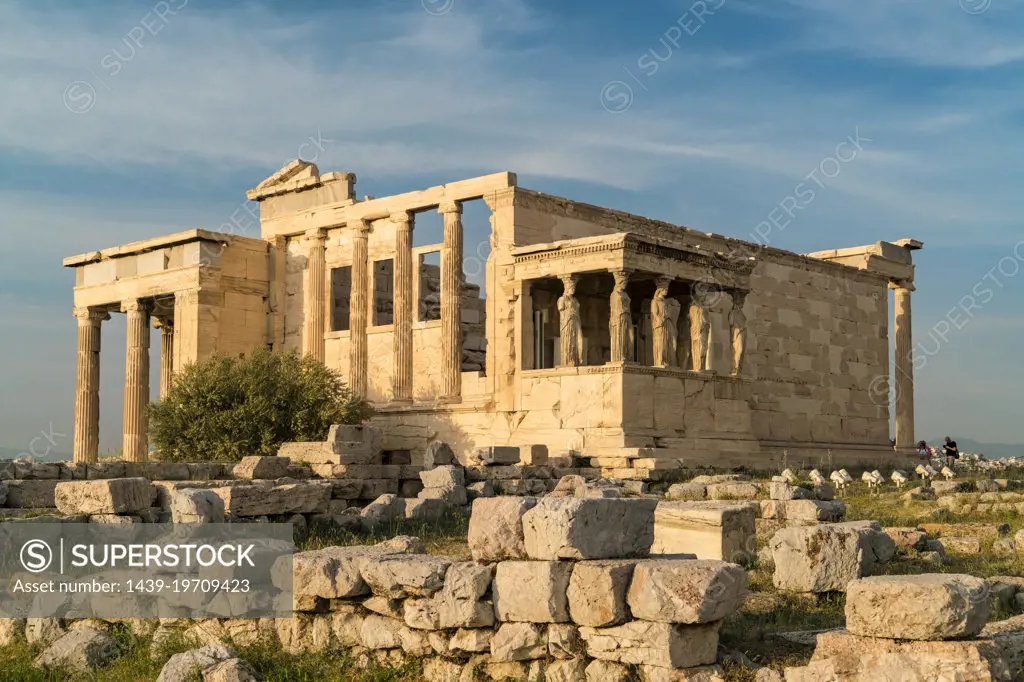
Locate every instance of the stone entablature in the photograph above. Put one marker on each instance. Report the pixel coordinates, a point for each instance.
(692, 348)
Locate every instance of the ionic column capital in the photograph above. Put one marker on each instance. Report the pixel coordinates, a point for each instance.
(904, 284)
(449, 207)
(317, 234)
(362, 228)
(162, 322)
(91, 317)
(136, 305)
(402, 219)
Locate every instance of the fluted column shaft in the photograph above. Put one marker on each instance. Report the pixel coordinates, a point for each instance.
(136, 382)
(403, 306)
(166, 327)
(904, 366)
(358, 308)
(87, 385)
(315, 296)
(451, 302)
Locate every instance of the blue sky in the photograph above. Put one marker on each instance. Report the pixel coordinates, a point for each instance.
(144, 118)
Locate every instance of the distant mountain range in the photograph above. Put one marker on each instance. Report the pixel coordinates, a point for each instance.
(990, 450)
(15, 453)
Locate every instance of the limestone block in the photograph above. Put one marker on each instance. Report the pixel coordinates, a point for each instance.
(479, 489)
(918, 607)
(814, 511)
(686, 491)
(574, 670)
(441, 670)
(421, 614)
(597, 592)
(231, 670)
(335, 572)
(533, 455)
(816, 558)
(564, 641)
(43, 630)
(398, 576)
(607, 671)
(708, 673)
(661, 644)
(452, 497)
(690, 592)
(573, 528)
(782, 490)
(347, 628)
(467, 580)
(532, 591)
(496, 528)
(360, 438)
(519, 642)
(194, 505)
(384, 509)
(31, 494)
(293, 498)
(907, 539)
(733, 491)
(446, 476)
(470, 641)
(379, 632)
(392, 608)
(709, 530)
(497, 455)
(81, 649)
(463, 613)
(438, 454)
(262, 468)
(568, 486)
(425, 510)
(841, 656)
(183, 667)
(877, 546)
(111, 496)
(514, 671)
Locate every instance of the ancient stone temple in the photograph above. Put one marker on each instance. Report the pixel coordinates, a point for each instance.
(634, 343)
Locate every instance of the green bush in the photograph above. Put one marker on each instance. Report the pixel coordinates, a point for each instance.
(225, 408)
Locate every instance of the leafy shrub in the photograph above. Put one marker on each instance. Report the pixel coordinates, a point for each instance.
(225, 408)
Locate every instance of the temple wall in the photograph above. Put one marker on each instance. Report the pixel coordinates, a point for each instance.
(819, 348)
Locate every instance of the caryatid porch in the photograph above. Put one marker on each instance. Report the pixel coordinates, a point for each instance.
(625, 299)
(656, 335)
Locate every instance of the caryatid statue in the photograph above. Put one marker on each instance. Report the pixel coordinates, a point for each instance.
(621, 319)
(738, 329)
(571, 340)
(665, 321)
(700, 329)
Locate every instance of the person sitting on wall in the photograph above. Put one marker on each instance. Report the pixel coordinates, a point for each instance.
(951, 452)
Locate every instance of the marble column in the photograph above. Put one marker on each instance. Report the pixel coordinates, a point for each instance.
(87, 385)
(451, 302)
(358, 307)
(621, 319)
(315, 296)
(166, 327)
(136, 382)
(904, 365)
(402, 385)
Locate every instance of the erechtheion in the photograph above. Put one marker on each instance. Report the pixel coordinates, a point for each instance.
(638, 344)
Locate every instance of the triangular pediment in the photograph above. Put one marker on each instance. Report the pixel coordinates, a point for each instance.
(296, 175)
